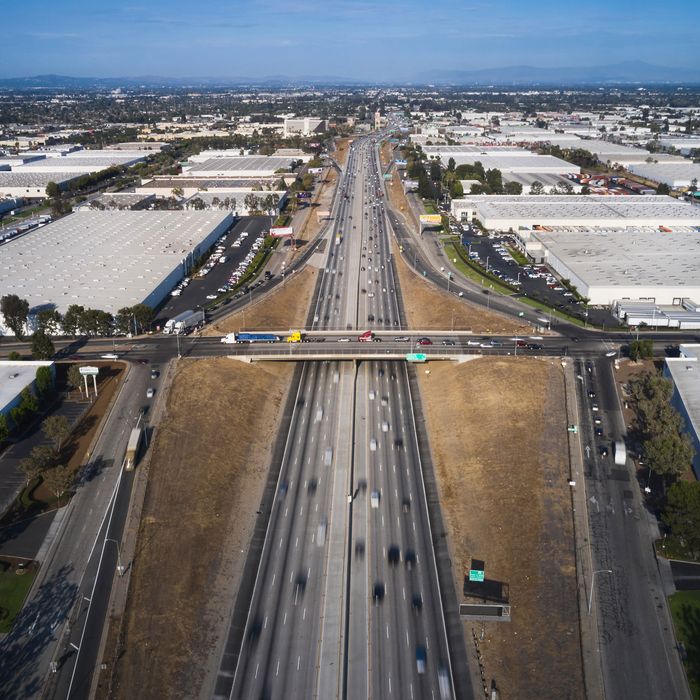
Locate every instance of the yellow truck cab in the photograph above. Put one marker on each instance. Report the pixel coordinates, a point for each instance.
(294, 337)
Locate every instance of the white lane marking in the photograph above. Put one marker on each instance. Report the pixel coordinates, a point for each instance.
(296, 543)
(403, 588)
(285, 511)
(389, 683)
(301, 511)
(410, 687)
(257, 666)
(382, 521)
(291, 576)
(303, 616)
(284, 622)
(298, 662)
(280, 545)
(277, 672)
(265, 623)
(274, 576)
(387, 631)
(407, 642)
(317, 507)
(427, 644)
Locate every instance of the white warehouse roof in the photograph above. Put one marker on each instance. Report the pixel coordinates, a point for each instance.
(635, 264)
(74, 164)
(679, 174)
(239, 166)
(105, 259)
(504, 212)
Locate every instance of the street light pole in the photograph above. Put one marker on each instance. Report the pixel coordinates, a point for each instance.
(120, 566)
(590, 594)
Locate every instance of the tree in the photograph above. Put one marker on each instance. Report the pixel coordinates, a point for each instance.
(451, 164)
(43, 381)
(49, 321)
(536, 187)
(4, 428)
(59, 480)
(456, 190)
(663, 188)
(513, 188)
(669, 454)
(16, 312)
(14, 356)
(73, 319)
(198, 204)
(143, 315)
(28, 400)
(682, 514)
(42, 347)
(75, 379)
(40, 459)
(494, 179)
(57, 429)
(53, 191)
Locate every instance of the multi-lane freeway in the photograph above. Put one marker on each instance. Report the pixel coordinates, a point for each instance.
(346, 601)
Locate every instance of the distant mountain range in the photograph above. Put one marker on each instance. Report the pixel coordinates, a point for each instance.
(626, 73)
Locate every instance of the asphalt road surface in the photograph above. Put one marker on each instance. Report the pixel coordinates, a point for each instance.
(325, 585)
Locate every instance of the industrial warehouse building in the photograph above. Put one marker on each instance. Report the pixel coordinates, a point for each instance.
(684, 372)
(163, 185)
(107, 259)
(15, 376)
(608, 265)
(511, 212)
(239, 166)
(31, 185)
(677, 174)
(507, 159)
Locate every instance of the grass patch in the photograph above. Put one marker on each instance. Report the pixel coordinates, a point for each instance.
(429, 207)
(671, 548)
(13, 590)
(517, 256)
(685, 610)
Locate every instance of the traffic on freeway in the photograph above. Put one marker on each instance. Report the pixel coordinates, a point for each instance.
(348, 556)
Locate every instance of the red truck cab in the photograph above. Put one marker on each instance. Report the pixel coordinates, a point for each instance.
(366, 337)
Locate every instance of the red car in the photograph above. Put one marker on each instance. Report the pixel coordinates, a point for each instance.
(425, 341)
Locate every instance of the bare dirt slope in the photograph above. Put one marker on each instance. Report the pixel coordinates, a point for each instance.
(341, 150)
(285, 308)
(428, 307)
(205, 482)
(499, 443)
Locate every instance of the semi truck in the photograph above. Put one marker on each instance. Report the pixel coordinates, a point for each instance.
(184, 322)
(296, 337)
(132, 449)
(366, 337)
(620, 452)
(250, 338)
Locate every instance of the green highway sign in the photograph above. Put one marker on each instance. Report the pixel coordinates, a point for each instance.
(416, 357)
(476, 575)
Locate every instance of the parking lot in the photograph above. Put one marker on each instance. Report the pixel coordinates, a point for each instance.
(535, 281)
(201, 291)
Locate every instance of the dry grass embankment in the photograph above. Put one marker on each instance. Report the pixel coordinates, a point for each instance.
(501, 459)
(205, 482)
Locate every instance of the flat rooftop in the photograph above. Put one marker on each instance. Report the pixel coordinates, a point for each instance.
(629, 257)
(678, 174)
(538, 209)
(104, 259)
(245, 164)
(16, 178)
(70, 164)
(14, 376)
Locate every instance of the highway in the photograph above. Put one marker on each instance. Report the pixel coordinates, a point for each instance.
(325, 586)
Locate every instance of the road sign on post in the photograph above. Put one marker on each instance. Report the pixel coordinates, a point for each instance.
(89, 371)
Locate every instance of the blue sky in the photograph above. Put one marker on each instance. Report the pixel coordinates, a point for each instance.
(366, 39)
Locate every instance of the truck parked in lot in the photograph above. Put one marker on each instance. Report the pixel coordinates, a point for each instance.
(132, 449)
(184, 322)
(250, 338)
(620, 452)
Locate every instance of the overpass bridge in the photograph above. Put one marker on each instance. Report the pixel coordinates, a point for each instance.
(299, 353)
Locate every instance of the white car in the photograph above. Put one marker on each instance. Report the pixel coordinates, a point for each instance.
(473, 343)
(373, 445)
(149, 392)
(374, 499)
(385, 427)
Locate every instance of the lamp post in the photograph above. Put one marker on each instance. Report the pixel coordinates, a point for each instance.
(590, 594)
(120, 566)
(487, 263)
